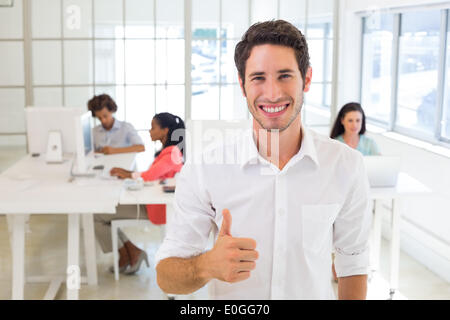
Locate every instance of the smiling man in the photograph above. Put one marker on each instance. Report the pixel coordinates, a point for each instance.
(280, 209)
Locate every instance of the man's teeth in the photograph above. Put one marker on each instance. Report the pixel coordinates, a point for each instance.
(274, 109)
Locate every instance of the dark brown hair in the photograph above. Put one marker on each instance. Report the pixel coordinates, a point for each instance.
(338, 127)
(278, 32)
(101, 101)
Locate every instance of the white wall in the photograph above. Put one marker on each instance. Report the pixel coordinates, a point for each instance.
(425, 224)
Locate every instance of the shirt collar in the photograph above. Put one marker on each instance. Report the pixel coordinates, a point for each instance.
(247, 149)
(249, 153)
(308, 148)
(116, 125)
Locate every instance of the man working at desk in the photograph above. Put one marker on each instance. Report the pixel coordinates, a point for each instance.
(277, 216)
(112, 136)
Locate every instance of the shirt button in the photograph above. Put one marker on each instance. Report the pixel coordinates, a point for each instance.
(281, 212)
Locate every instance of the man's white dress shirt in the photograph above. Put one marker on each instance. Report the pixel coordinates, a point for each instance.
(318, 202)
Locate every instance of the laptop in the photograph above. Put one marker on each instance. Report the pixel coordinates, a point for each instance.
(382, 170)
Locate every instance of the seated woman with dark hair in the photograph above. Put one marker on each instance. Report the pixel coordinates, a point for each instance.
(170, 130)
(350, 128)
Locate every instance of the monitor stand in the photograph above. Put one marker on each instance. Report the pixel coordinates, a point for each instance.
(54, 148)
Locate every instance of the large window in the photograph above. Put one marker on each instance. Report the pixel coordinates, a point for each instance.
(418, 71)
(412, 47)
(216, 28)
(319, 35)
(376, 66)
(320, 45)
(62, 52)
(132, 50)
(12, 76)
(445, 125)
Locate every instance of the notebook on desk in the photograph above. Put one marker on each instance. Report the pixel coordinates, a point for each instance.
(382, 171)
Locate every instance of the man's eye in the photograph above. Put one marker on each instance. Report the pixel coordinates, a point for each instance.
(257, 78)
(285, 76)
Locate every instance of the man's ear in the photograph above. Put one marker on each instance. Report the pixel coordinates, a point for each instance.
(241, 84)
(308, 79)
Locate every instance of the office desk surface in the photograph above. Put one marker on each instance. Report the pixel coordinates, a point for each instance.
(147, 195)
(32, 186)
(406, 186)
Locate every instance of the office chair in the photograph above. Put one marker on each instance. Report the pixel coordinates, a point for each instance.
(124, 223)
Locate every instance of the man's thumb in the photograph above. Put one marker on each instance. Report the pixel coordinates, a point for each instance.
(225, 230)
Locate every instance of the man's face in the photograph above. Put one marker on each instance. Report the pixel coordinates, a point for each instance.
(106, 118)
(274, 86)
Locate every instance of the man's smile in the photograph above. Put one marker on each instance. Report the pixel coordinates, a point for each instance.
(273, 110)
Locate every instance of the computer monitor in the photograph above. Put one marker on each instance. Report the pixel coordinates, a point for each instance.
(83, 138)
(66, 129)
(382, 171)
(86, 123)
(40, 121)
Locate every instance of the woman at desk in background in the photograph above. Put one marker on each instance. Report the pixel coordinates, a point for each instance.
(112, 136)
(168, 162)
(350, 128)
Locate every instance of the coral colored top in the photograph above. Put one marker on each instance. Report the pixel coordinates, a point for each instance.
(166, 165)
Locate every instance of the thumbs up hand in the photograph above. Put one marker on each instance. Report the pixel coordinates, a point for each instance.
(231, 259)
(225, 230)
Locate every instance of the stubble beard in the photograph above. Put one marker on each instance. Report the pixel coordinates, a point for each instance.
(297, 108)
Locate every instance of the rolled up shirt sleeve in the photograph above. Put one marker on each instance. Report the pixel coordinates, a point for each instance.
(352, 227)
(192, 219)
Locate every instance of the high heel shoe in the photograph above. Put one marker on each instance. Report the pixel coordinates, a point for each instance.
(121, 269)
(137, 265)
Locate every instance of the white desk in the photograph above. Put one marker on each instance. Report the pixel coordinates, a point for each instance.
(33, 187)
(406, 186)
(152, 194)
(149, 194)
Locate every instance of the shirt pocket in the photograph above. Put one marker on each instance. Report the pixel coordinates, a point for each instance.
(317, 226)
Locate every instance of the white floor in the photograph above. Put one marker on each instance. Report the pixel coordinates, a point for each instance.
(46, 254)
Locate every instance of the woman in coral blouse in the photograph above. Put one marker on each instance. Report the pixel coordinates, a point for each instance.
(168, 161)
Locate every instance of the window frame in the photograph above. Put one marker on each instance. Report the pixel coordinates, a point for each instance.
(436, 137)
(327, 42)
(391, 120)
(60, 92)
